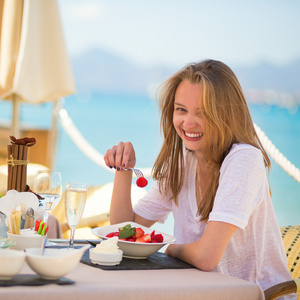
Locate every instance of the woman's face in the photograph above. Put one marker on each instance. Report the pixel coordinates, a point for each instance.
(187, 119)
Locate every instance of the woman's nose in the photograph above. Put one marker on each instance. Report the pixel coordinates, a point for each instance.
(190, 121)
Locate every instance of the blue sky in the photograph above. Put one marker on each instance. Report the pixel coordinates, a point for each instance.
(176, 32)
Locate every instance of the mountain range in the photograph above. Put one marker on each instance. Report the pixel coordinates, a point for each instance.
(101, 71)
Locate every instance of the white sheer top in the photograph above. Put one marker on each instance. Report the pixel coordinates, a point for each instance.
(255, 251)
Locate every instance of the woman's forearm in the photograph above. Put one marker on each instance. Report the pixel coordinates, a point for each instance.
(191, 254)
(121, 207)
(207, 252)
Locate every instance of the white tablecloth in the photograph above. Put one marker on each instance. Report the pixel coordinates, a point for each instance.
(94, 283)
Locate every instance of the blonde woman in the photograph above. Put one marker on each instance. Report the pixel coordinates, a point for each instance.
(211, 174)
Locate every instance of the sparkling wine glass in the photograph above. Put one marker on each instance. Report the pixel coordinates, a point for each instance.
(75, 197)
(48, 184)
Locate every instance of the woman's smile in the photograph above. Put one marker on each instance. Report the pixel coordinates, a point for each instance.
(192, 136)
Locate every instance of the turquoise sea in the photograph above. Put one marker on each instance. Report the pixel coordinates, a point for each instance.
(106, 119)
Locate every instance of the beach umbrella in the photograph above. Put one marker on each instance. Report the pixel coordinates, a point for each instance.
(34, 63)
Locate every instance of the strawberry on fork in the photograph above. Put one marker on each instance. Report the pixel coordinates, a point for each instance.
(141, 180)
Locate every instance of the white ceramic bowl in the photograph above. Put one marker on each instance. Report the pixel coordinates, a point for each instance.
(106, 259)
(26, 239)
(11, 262)
(55, 263)
(134, 249)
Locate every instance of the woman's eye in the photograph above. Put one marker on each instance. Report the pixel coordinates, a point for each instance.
(180, 109)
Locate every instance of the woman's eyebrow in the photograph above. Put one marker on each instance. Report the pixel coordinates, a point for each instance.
(176, 103)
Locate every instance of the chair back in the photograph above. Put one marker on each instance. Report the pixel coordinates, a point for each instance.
(291, 241)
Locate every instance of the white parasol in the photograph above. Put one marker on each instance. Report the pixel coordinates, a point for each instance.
(34, 64)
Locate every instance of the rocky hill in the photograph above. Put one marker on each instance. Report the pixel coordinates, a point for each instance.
(99, 70)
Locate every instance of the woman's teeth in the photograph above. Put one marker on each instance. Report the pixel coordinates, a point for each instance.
(193, 135)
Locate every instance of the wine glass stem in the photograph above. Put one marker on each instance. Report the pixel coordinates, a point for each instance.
(46, 215)
(72, 234)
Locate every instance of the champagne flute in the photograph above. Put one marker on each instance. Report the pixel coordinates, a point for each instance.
(48, 184)
(75, 197)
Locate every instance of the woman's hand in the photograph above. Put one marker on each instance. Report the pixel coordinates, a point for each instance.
(121, 156)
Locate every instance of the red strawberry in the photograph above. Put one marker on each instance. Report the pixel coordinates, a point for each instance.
(111, 234)
(141, 182)
(139, 232)
(130, 240)
(140, 240)
(152, 233)
(147, 238)
(158, 238)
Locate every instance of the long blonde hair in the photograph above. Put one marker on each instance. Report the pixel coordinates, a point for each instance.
(227, 118)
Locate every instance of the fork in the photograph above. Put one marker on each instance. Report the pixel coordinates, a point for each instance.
(138, 173)
(44, 246)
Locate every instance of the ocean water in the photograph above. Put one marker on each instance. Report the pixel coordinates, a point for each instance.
(106, 119)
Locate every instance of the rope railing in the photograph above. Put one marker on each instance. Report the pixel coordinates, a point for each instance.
(79, 140)
(277, 156)
(98, 158)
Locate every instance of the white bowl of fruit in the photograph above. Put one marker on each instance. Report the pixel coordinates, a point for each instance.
(135, 240)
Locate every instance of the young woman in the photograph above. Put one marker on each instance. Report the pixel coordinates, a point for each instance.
(211, 174)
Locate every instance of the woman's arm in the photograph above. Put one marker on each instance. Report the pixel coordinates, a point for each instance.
(206, 253)
(119, 157)
(120, 206)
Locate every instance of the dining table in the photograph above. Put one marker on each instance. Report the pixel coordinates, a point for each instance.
(90, 282)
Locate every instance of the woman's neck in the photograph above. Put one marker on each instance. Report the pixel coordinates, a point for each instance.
(203, 178)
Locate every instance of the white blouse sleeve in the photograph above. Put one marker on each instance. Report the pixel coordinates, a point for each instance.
(242, 187)
(153, 206)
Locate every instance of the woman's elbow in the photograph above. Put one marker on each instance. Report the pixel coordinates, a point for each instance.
(206, 264)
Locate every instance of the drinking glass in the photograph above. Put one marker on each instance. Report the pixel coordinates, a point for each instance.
(48, 184)
(75, 197)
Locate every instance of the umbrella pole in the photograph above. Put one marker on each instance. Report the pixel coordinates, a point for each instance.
(15, 130)
(52, 139)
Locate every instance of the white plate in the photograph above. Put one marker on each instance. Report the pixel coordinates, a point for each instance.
(134, 249)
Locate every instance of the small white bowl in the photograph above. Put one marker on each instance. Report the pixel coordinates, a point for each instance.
(55, 263)
(105, 259)
(26, 239)
(134, 249)
(11, 262)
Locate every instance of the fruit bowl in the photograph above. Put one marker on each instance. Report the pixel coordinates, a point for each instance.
(135, 250)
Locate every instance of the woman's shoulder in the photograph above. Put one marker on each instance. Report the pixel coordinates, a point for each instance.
(244, 149)
(245, 153)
